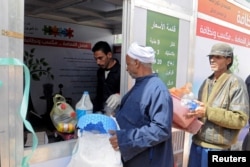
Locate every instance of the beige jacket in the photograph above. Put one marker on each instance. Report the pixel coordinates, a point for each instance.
(227, 111)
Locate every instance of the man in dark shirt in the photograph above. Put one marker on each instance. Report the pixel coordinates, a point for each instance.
(246, 141)
(108, 77)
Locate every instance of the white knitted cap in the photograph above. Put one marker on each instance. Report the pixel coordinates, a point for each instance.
(143, 54)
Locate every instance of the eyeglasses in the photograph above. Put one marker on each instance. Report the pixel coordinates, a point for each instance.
(217, 57)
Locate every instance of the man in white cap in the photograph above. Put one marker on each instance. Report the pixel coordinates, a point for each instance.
(224, 107)
(145, 115)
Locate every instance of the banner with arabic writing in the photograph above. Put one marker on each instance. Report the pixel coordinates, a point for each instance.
(162, 35)
(226, 11)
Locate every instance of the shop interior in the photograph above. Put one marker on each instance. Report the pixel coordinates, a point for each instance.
(95, 13)
(105, 14)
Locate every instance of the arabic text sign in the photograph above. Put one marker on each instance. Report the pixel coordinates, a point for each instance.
(56, 43)
(226, 11)
(162, 35)
(214, 31)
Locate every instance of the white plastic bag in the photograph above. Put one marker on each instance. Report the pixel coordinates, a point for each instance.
(63, 115)
(94, 150)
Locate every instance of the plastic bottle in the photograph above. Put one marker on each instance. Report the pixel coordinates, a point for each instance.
(187, 100)
(84, 106)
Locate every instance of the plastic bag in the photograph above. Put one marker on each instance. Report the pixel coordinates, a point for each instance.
(179, 92)
(191, 125)
(93, 148)
(63, 115)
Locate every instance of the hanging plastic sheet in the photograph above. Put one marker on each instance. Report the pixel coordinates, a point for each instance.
(24, 104)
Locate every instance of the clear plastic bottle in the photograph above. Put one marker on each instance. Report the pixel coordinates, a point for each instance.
(187, 100)
(84, 106)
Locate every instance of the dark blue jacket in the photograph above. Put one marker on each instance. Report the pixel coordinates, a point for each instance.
(145, 118)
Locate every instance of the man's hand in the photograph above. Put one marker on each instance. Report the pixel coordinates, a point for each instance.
(199, 111)
(113, 140)
(113, 101)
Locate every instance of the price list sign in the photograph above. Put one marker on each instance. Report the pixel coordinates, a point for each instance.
(162, 35)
